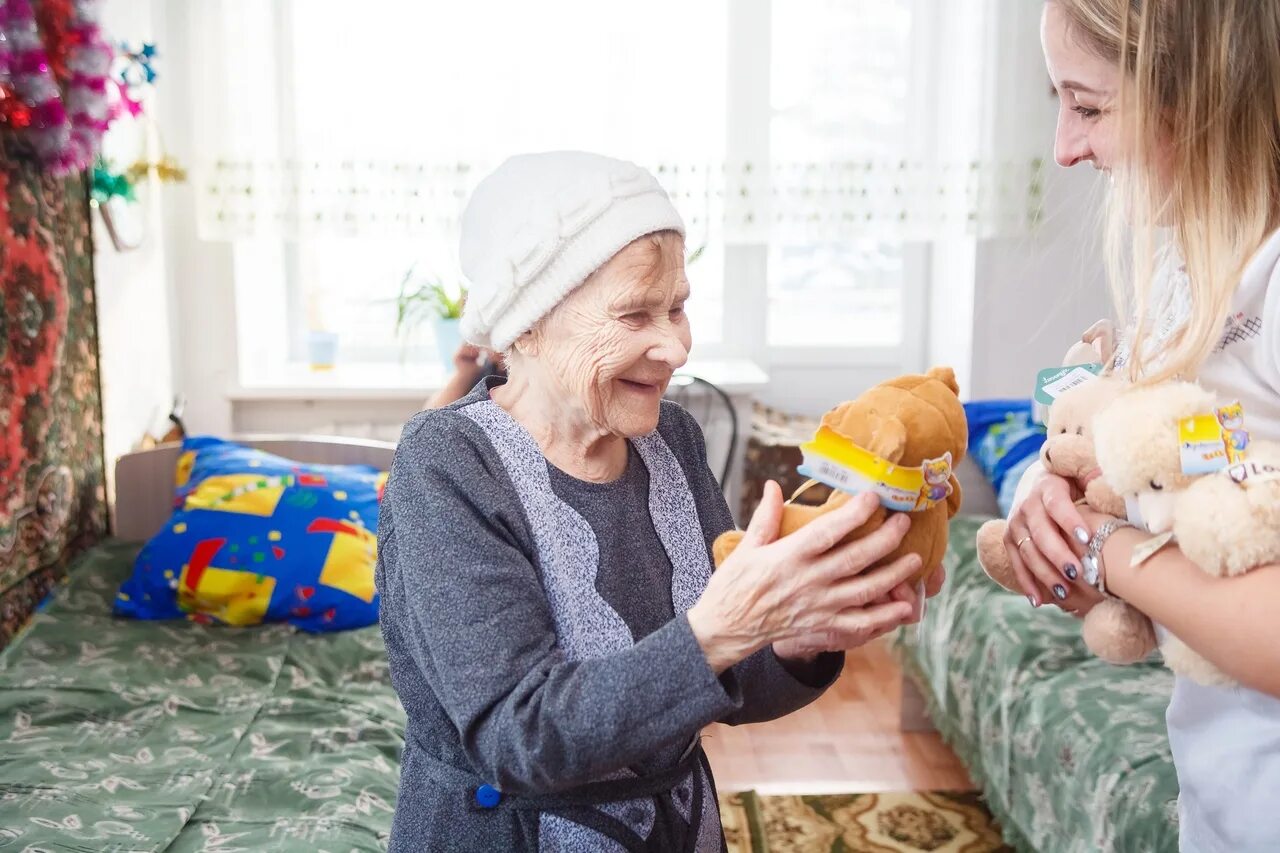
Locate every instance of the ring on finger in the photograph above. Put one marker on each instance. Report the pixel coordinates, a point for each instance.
(1023, 541)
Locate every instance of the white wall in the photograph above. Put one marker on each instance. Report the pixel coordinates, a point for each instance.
(132, 290)
(1033, 295)
(1036, 294)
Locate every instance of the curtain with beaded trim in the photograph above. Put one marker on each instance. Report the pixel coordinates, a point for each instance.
(319, 122)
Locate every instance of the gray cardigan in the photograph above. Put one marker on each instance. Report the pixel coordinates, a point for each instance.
(536, 634)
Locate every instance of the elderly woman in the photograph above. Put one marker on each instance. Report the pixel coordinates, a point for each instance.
(555, 631)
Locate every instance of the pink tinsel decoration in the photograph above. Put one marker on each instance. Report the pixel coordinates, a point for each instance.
(123, 102)
(66, 128)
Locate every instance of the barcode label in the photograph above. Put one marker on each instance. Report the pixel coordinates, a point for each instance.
(1053, 382)
(834, 475)
(838, 477)
(1074, 379)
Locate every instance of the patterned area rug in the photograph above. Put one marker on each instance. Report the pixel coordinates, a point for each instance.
(937, 822)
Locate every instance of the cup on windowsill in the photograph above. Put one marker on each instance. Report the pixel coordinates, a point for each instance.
(322, 350)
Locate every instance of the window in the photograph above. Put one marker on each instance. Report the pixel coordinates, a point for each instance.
(422, 109)
(841, 98)
(794, 136)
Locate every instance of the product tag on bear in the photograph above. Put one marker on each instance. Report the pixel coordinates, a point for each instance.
(1053, 382)
(835, 461)
(1247, 474)
(1211, 441)
(1147, 550)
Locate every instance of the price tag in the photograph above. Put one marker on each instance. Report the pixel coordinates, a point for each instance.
(1053, 382)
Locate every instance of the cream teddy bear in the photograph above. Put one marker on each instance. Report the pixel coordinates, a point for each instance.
(1226, 522)
(1113, 630)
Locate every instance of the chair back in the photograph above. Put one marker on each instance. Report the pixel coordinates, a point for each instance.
(711, 407)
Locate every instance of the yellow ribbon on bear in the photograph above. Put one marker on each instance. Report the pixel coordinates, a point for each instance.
(837, 462)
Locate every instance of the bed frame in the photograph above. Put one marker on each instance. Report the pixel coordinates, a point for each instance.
(144, 479)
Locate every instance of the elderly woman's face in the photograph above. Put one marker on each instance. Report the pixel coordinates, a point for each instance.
(615, 341)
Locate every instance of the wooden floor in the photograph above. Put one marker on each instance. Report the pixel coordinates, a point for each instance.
(846, 742)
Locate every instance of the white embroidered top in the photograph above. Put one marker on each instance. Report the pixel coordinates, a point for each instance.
(1226, 741)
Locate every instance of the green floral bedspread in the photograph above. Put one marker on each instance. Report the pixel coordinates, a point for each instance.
(1071, 752)
(130, 736)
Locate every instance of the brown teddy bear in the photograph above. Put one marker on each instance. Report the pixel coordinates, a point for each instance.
(1222, 510)
(1113, 630)
(911, 422)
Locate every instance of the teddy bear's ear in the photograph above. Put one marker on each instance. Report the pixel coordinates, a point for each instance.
(888, 436)
(946, 376)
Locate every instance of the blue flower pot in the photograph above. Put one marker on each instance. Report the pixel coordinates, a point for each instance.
(448, 339)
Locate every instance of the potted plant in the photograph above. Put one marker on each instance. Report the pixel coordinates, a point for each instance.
(431, 299)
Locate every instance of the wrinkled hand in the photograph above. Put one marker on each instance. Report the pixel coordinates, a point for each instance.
(913, 594)
(916, 593)
(805, 593)
(1045, 539)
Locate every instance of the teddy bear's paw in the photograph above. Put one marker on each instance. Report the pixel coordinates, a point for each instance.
(994, 557)
(1117, 633)
(1179, 657)
(725, 545)
(1103, 498)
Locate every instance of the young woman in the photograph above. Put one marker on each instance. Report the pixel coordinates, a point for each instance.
(1179, 102)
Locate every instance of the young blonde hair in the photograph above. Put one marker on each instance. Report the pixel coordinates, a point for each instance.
(1199, 120)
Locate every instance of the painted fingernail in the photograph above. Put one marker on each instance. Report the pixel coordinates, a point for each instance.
(1033, 601)
(1090, 569)
(1070, 571)
(1082, 536)
(1059, 591)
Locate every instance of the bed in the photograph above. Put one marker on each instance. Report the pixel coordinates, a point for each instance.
(1071, 753)
(130, 736)
(118, 735)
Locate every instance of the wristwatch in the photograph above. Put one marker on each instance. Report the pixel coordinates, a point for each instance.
(1094, 571)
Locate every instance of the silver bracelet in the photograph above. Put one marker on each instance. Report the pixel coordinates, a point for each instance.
(1094, 571)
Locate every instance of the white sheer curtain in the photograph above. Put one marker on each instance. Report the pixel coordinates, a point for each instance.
(340, 141)
(329, 117)
(377, 118)
(355, 132)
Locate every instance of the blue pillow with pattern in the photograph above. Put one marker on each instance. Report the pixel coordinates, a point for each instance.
(1004, 440)
(258, 538)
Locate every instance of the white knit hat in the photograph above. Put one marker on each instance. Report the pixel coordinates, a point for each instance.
(537, 227)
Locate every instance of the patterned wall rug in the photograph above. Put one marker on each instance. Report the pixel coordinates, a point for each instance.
(52, 501)
(936, 822)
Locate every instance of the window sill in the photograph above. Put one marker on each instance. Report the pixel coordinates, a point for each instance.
(343, 382)
(396, 382)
